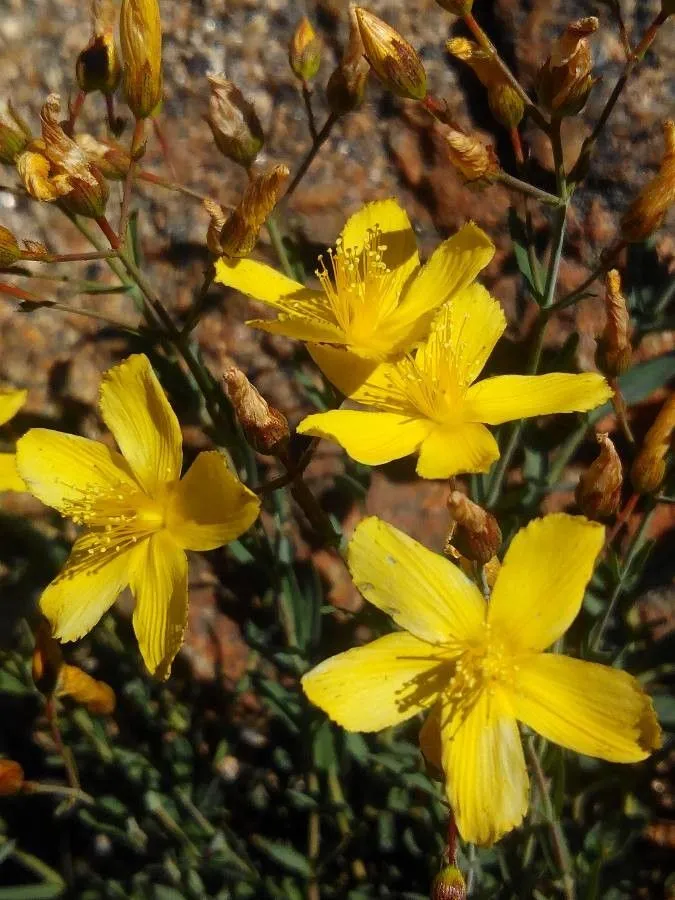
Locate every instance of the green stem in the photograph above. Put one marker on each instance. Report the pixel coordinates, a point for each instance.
(529, 189)
(321, 138)
(279, 248)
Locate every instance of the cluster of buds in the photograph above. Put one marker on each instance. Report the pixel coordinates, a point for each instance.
(475, 532)
(649, 468)
(266, 429)
(98, 66)
(236, 234)
(474, 160)
(615, 353)
(55, 168)
(598, 492)
(505, 102)
(232, 119)
(566, 78)
(304, 53)
(15, 135)
(141, 41)
(647, 212)
(391, 57)
(347, 84)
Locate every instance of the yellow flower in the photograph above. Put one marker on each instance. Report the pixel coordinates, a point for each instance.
(376, 300)
(11, 402)
(427, 402)
(140, 516)
(481, 668)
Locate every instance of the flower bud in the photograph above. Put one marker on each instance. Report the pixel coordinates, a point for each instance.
(47, 659)
(476, 533)
(598, 493)
(565, 80)
(647, 212)
(615, 353)
(304, 52)
(649, 468)
(473, 159)
(236, 128)
(11, 777)
(347, 85)
(392, 58)
(141, 40)
(449, 884)
(240, 232)
(506, 104)
(14, 135)
(98, 66)
(266, 429)
(96, 696)
(111, 161)
(10, 252)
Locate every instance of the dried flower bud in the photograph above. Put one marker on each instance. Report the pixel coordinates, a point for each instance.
(615, 353)
(111, 161)
(240, 232)
(10, 252)
(347, 85)
(649, 468)
(598, 493)
(266, 429)
(565, 80)
(96, 696)
(506, 104)
(14, 135)
(304, 52)
(217, 218)
(647, 212)
(392, 58)
(141, 40)
(473, 159)
(476, 532)
(11, 777)
(236, 128)
(47, 659)
(449, 885)
(98, 65)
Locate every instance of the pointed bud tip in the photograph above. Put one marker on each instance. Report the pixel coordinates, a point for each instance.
(391, 57)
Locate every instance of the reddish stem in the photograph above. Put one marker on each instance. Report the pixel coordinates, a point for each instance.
(517, 146)
(75, 109)
(622, 518)
(107, 230)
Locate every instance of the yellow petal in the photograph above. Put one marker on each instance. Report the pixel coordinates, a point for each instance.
(343, 368)
(85, 589)
(397, 235)
(210, 506)
(300, 328)
(372, 438)
(422, 591)
(451, 268)
(450, 450)
(541, 584)
(509, 397)
(10, 403)
(486, 777)
(586, 707)
(65, 471)
(135, 409)
(372, 687)
(159, 584)
(262, 282)
(10, 480)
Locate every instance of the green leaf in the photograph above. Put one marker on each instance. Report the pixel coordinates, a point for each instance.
(519, 239)
(284, 855)
(641, 381)
(45, 891)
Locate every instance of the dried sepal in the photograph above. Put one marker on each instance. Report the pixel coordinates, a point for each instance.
(217, 218)
(649, 468)
(646, 213)
(240, 232)
(98, 66)
(391, 57)
(141, 41)
(346, 86)
(505, 102)
(232, 119)
(598, 493)
(304, 52)
(473, 159)
(615, 352)
(566, 78)
(10, 251)
(111, 161)
(15, 135)
(266, 428)
(476, 533)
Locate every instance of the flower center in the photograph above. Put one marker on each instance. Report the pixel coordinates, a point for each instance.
(482, 667)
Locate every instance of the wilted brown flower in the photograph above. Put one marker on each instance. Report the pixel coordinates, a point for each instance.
(649, 468)
(565, 80)
(98, 65)
(598, 492)
(14, 135)
(96, 696)
(304, 52)
(266, 428)
(11, 777)
(475, 533)
(10, 252)
(347, 84)
(473, 159)
(647, 212)
(449, 884)
(111, 161)
(392, 58)
(614, 347)
(141, 40)
(236, 128)
(505, 102)
(239, 234)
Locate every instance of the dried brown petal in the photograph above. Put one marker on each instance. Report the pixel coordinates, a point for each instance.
(97, 696)
(615, 352)
(266, 428)
(598, 493)
(473, 159)
(649, 468)
(565, 80)
(476, 533)
(647, 212)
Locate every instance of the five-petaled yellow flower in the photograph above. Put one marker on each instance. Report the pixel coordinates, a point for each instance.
(481, 668)
(376, 303)
(139, 515)
(428, 401)
(11, 402)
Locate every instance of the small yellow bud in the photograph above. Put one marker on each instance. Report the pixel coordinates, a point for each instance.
(598, 493)
(615, 352)
(10, 252)
(473, 159)
(565, 80)
(47, 659)
(141, 40)
(391, 57)
(98, 65)
(304, 53)
(476, 533)
(347, 85)
(506, 104)
(96, 696)
(239, 234)
(266, 429)
(14, 135)
(649, 467)
(457, 7)
(111, 161)
(11, 777)
(236, 128)
(449, 884)
(647, 212)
